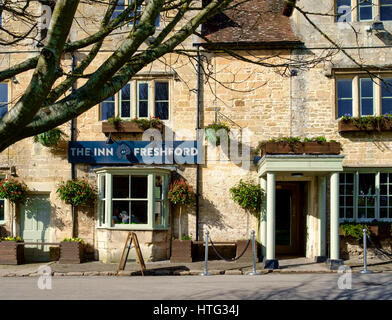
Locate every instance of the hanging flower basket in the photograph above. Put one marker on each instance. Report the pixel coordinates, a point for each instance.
(49, 138)
(13, 190)
(77, 193)
(212, 132)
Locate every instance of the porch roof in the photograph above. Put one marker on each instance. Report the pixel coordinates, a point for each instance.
(321, 164)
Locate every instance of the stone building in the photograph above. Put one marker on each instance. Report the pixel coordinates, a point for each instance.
(306, 195)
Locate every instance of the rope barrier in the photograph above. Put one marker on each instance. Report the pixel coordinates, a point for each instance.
(379, 249)
(229, 260)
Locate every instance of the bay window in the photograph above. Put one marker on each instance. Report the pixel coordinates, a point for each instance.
(365, 195)
(138, 99)
(358, 95)
(133, 199)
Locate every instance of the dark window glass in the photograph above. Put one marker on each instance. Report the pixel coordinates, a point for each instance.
(1, 209)
(385, 10)
(3, 99)
(143, 91)
(365, 10)
(107, 108)
(345, 97)
(343, 10)
(139, 186)
(366, 94)
(139, 211)
(120, 187)
(126, 101)
(367, 184)
(386, 95)
(162, 100)
(119, 9)
(161, 91)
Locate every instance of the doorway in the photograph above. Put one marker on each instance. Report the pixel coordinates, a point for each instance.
(35, 221)
(289, 218)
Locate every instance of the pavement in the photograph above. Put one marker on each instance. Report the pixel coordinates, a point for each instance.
(165, 268)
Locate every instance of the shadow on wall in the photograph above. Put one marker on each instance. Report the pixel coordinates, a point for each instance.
(379, 139)
(84, 228)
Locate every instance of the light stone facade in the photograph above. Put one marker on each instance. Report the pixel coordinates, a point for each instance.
(257, 99)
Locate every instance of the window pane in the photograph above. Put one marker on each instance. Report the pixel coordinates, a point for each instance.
(367, 107)
(3, 111)
(1, 209)
(385, 10)
(162, 110)
(349, 177)
(119, 9)
(120, 187)
(345, 95)
(384, 189)
(345, 108)
(125, 109)
(158, 213)
(102, 212)
(370, 212)
(343, 10)
(383, 213)
(349, 213)
(366, 94)
(161, 91)
(386, 93)
(126, 92)
(365, 9)
(139, 212)
(3, 99)
(139, 185)
(107, 108)
(143, 91)
(143, 109)
(366, 184)
(120, 212)
(349, 201)
(383, 201)
(383, 177)
(345, 88)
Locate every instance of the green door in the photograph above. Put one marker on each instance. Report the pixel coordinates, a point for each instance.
(35, 220)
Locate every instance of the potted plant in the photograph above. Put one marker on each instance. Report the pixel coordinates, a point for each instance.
(181, 193)
(365, 123)
(320, 145)
(284, 145)
(11, 250)
(49, 138)
(71, 250)
(250, 197)
(212, 132)
(117, 124)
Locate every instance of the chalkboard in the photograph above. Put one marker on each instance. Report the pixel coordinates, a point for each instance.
(131, 239)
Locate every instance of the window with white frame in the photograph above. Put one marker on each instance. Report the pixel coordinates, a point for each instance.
(3, 99)
(134, 15)
(138, 99)
(374, 96)
(365, 195)
(133, 199)
(363, 10)
(2, 207)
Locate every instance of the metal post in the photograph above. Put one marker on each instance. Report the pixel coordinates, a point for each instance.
(205, 273)
(254, 273)
(365, 270)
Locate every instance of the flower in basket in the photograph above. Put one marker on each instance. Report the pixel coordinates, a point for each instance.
(80, 240)
(49, 138)
(213, 132)
(16, 239)
(77, 192)
(13, 190)
(180, 192)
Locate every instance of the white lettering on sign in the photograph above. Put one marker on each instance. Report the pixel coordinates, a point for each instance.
(105, 152)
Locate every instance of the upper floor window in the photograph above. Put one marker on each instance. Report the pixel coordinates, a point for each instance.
(374, 96)
(363, 10)
(3, 99)
(141, 99)
(365, 195)
(134, 15)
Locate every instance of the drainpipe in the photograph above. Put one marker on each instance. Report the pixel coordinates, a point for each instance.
(197, 136)
(73, 172)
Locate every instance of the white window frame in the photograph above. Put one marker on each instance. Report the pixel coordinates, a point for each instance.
(134, 96)
(356, 172)
(355, 11)
(106, 221)
(356, 92)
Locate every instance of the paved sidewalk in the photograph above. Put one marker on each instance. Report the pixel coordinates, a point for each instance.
(164, 268)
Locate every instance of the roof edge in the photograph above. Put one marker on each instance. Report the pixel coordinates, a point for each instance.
(245, 45)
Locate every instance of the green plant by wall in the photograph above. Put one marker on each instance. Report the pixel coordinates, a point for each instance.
(73, 240)
(354, 229)
(13, 190)
(17, 239)
(212, 129)
(77, 192)
(368, 122)
(248, 195)
(49, 138)
(146, 124)
(114, 121)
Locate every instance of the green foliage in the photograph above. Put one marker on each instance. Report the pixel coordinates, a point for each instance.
(248, 195)
(13, 190)
(180, 192)
(186, 238)
(49, 138)
(354, 229)
(319, 139)
(212, 129)
(146, 124)
(114, 121)
(73, 240)
(368, 122)
(77, 192)
(17, 239)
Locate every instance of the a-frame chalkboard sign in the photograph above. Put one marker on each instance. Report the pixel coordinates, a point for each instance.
(131, 239)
